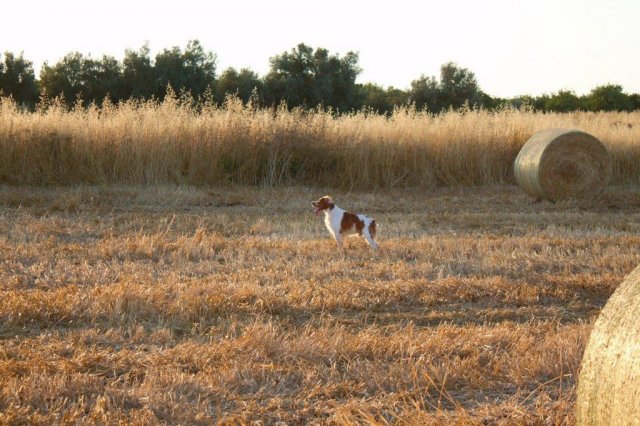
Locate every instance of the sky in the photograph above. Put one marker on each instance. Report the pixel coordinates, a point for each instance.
(513, 47)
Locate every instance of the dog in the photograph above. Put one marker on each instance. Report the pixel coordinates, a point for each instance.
(343, 224)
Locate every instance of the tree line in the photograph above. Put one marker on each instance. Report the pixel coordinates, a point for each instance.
(302, 77)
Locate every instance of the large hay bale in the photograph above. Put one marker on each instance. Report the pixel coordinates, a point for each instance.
(558, 164)
(609, 382)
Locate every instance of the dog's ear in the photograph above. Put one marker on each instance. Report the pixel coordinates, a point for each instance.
(328, 201)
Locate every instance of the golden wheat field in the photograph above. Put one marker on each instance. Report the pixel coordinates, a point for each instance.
(184, 305)
(177, 143)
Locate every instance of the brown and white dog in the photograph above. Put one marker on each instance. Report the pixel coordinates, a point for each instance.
(343, 224)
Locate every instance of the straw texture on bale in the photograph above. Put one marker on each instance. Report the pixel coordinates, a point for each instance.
(609, 382)
(557, 164)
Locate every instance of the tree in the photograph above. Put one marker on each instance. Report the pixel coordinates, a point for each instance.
(397, 97)
(242, 84)
(78, 77)
(635, 101)
(193, 70)
(375, 98)
(18, 80)
(139, 74)
(563, 101)
(426, 93)
(487, 101)
(458, 86)
(518, 102)
(304, 77)
(64, 78)
(608, 98)
(104, 79)
(380, 100)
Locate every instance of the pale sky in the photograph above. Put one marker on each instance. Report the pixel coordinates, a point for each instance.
(514, 47)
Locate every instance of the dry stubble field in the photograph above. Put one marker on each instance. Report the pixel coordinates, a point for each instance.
(185, 305)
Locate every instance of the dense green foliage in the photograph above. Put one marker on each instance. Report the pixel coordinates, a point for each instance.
(303, 77)
(244, 84)
(17, 79)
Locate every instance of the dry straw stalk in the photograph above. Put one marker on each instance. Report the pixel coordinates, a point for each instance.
(179, 143)
(609, 382)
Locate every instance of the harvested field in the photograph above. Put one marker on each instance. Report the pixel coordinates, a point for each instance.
(195, 305)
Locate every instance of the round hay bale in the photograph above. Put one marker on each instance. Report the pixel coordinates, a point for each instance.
(557, 164)
(609, 382)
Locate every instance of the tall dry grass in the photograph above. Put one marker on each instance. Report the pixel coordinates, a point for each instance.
(174, 142)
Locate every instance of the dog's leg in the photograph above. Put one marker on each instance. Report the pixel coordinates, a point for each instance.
(370, 240)
(340, 242)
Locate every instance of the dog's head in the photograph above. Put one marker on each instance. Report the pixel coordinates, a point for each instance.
(322, 204)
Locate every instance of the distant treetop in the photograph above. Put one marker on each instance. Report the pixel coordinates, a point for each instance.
(302, 77)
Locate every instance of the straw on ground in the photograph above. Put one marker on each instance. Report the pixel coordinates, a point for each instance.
(184, 305)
